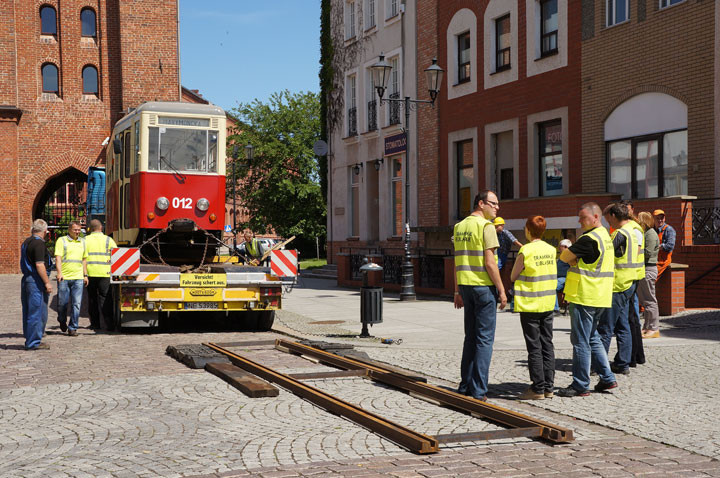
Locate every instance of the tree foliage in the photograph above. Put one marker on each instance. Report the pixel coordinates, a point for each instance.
(280, 186)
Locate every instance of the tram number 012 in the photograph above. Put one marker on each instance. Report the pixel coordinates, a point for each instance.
(182, 203)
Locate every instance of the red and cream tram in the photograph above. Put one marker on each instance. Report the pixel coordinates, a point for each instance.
(166, 170)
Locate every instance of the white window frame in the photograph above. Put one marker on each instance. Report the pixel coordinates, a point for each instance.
(400, 180)
(533, 166)
(394, 86)
(392, 9)
(370, 14)
(668, 3)
(495, 10)
(351, 101)
(614, 3)
(469, 134)
(535, 63)
(463, 21)
(350, 22)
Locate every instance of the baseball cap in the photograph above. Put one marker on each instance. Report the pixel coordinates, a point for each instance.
(658, 212)
(498, 221)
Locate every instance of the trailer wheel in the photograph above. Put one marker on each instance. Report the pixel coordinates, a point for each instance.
(265, 320)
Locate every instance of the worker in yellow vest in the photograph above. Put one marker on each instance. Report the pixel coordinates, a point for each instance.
(99, 250)
(535, 277)
(478, 288)
(71, 264)
(251, 248)
(588, 289)
(629, 269)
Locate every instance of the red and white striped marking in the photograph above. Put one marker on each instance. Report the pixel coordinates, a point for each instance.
(125, 261)
(284, 263)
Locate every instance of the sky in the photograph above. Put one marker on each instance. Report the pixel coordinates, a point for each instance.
(236, 51)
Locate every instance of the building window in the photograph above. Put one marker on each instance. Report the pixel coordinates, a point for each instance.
(551, 160)
(90, 80)
(669, 3)
(464, 177)
(618, 11)
(502, 43)
(48, 20)
(548, 27)
(352, 105)
(639, 167)
(87, 19)
(396, 213)
(369, 14)
(394, 87)
(392, 8)
(50, 79)
(463, 44)
(355, 201)
(349, 20)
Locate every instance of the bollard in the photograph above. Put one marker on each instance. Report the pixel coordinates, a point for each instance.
(370, 299)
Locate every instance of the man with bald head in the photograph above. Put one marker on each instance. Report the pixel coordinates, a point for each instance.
(99, 249)
(588, 289)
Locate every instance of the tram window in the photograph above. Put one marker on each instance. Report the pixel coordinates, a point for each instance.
(126, 205)
(126, 153)
(153, 144)
(136, 150)
(212, 151)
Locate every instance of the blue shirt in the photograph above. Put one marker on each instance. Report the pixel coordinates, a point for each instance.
(506, 240)
(668, 238)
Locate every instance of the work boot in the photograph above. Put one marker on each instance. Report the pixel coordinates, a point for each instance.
(605, 386)
(72, 333)
(531, 394)
(571, 392)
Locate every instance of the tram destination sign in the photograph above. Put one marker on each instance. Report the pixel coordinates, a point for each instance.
(175, 121)
(396, 143)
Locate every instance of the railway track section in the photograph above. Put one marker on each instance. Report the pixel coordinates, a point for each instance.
(517, 424)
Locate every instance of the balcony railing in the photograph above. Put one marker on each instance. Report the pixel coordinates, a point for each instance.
(352, 121)
(372, 115)
(395, 109)
(706, 221)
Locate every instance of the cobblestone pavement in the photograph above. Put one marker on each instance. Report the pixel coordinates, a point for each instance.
(114, 405)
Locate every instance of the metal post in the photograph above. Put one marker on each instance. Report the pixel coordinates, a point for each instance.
(234, 231)
(407, 287)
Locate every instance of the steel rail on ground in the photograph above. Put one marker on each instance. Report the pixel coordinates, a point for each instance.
(405, 437)
(520, 424)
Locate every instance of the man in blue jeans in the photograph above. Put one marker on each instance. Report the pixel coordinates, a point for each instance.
(478, 288)
(35, 289)
(71, 262)
(588, 289)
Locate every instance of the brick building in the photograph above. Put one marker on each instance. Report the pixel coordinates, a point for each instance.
(553, 103)
(68, 70)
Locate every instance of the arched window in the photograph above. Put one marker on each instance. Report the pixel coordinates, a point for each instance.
(90, 80)
(87, 18)
(50, 78)
(48, 20)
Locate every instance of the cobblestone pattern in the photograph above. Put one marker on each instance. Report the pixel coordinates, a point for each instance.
(616, 457)
(671, 399)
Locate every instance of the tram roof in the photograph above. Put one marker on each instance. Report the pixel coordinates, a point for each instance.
(173, 107)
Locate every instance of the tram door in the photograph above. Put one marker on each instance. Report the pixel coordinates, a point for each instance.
(124, 186)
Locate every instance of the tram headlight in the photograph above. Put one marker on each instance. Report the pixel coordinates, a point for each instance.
(203, 204)
(162, 203)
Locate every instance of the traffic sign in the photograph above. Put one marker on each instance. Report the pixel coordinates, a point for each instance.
(283, 263)
(228, 228)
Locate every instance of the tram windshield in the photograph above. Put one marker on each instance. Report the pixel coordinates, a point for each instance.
(180, 149)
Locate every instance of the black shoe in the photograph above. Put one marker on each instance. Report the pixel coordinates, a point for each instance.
(604, 386)
(94, 326)
(571, 392)
(72, 333)
(63, 326)
(41, 346)
(621, 371)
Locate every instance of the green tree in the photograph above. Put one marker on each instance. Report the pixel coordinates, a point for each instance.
(280, 186)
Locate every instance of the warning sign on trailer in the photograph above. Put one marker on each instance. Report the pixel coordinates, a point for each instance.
(284, 263)
(203, 280)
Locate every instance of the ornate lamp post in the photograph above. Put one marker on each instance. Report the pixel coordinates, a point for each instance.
(434, 74)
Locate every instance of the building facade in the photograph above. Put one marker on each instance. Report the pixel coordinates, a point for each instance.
(68, 71)
(368, 155)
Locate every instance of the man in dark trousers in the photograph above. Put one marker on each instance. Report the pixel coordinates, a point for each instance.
(36, 288)
(99, 248)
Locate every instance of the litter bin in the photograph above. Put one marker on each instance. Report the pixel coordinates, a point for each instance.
(370, 299)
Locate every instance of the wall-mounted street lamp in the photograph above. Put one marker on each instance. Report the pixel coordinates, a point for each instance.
(433, 75)
(357, 168)
(378, 162)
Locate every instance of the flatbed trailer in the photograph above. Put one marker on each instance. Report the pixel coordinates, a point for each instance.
(247, 295)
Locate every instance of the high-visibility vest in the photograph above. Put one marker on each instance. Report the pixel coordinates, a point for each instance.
(536, 287)
(592, 284)
(469, 251)
(99, 249)
(629, 267)
(252, 247)
(72, 252)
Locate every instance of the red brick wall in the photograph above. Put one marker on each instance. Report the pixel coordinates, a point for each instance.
(57, 133)
(703, 261)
